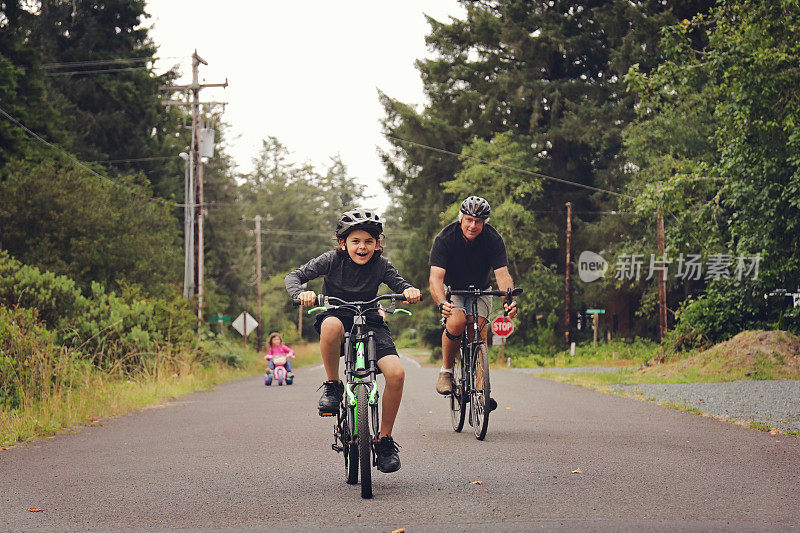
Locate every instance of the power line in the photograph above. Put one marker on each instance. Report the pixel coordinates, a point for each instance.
(98, 71)
(99, 62)
(135, 159)
(508, 167)
(83, 166)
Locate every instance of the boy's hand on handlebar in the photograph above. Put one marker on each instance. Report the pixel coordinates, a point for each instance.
(510, 309)
(412, 294)
(307, 298)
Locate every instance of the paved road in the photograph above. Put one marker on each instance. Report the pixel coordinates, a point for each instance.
(246, 457)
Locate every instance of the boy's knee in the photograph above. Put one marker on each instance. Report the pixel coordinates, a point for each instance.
(331, 329)
(395, 375)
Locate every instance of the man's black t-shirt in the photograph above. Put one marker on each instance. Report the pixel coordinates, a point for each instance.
(468, 263)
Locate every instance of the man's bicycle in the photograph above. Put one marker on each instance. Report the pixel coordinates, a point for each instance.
(358, 419)
(471, 368)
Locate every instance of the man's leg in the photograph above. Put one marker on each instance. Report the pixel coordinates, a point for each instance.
(454, 325)
(482, 321)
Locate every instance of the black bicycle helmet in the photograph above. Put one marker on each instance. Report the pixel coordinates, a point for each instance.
(355, 219)
(476, 206)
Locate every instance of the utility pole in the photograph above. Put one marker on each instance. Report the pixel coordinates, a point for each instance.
(196, 169)
(188, 230)
(258, 281)
(568, 271)
(662, 281)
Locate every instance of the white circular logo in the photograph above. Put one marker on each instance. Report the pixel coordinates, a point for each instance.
(591, 266)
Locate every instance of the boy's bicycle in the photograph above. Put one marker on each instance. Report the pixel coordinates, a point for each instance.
(471, 369)
(359, 408)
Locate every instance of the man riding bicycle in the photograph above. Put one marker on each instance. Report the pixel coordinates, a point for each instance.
(464, 254)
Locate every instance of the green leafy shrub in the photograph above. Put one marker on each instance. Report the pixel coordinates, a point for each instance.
(56, 298)
(107, 326)
(728, 307)
(31, 364)
(220, 351)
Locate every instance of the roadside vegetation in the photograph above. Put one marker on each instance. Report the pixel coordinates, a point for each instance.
(753, 355)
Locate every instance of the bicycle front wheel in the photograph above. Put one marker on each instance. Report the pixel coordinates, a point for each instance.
(364, 441)
(479, 409)
(458, 402)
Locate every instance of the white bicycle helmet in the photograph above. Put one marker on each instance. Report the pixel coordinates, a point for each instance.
(476, 206)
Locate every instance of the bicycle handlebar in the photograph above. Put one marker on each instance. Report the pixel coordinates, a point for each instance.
(480, 292)
(325, 301)
(509, 294)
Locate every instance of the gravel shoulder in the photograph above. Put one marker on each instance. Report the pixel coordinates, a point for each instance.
(773, 403)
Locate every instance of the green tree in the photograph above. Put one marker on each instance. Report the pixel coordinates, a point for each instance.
(88, 229)
(738, 191)
(549, 74)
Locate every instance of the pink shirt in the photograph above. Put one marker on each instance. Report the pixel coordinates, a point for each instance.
(279, 350)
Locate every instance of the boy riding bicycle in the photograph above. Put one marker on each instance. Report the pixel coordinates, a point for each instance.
(464, 254)
(353, 272)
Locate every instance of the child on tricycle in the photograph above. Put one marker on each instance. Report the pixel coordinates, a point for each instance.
(280, 367)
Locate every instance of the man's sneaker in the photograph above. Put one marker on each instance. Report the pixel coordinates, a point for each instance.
(444, 383)
(331, 397)
(387, 458)
(491, 405)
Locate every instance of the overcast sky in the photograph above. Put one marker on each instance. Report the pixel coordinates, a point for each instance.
(306, 72)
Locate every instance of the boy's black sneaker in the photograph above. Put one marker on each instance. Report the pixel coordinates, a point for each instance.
(331, 397)
(387, 458)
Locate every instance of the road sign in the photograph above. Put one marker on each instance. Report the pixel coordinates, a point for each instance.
(595, 311)
(502, 326)
(245, 324)
(219, 319)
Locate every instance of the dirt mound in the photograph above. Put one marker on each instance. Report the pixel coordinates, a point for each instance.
(750, 354)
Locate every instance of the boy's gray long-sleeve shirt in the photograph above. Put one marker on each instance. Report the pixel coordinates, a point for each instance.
(345, 279)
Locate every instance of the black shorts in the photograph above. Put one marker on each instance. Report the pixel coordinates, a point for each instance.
(384, 345)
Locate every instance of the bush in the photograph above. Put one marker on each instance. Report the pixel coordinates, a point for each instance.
(224, 352)
(56, 298)
(729, 307)
(107, 326)
(31, 364)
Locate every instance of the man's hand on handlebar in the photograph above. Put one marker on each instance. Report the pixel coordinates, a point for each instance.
(510, 309)
(446, 308)
(307, 298)
(412, 295)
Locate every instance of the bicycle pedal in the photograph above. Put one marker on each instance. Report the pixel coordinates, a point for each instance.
(327, 414)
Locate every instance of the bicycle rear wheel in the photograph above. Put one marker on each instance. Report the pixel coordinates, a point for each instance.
(348, 447)
(458, 402)
(480, 391)
(364, 441)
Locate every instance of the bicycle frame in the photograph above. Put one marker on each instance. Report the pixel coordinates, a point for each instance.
(468, 349)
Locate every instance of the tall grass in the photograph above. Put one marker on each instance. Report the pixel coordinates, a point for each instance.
(45, 387)
(92, 394)
(623, 353)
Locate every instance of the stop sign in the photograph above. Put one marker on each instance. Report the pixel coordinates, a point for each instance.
(502, 326)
